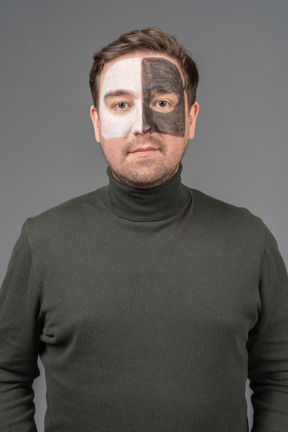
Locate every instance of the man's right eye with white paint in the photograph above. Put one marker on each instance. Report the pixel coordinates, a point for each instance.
(121, 106)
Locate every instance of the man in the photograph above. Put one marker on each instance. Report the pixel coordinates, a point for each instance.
(149, 302)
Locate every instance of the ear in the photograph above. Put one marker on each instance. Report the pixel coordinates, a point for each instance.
(96, 123)
(192, 120)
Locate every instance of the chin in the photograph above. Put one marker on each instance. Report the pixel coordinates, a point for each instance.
(142, 180)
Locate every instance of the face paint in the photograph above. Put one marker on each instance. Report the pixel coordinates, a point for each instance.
(141, 96)
(161, 81)
(124, 79)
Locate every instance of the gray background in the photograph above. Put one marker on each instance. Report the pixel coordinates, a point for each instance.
(48, 152)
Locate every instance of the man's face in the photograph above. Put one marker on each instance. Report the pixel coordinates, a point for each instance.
(143, 123)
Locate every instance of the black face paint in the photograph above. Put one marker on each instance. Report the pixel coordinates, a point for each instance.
(158, 76)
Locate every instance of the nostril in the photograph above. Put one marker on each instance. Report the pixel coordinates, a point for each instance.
(146, 128)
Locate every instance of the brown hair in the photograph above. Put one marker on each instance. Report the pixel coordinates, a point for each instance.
(148, 39)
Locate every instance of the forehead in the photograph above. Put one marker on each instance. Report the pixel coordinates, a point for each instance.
(125, 72)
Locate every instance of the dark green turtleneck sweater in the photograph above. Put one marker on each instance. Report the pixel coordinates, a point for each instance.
(149, 309)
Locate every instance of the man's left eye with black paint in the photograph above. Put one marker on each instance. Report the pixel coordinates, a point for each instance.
(160, 76)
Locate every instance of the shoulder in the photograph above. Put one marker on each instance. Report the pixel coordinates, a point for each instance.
(67, 215)
(227, 217)
(216, 208)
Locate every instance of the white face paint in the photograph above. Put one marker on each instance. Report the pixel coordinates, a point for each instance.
(123, 77)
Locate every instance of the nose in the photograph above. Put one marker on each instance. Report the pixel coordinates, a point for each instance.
(137, 119)
(147, 126)
(142, 125)
(147, 120)
(142, 122)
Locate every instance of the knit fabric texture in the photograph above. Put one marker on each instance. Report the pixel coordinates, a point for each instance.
(149, 309)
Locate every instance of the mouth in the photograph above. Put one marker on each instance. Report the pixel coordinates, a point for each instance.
(144, 151)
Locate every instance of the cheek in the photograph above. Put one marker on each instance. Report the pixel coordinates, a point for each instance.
(170, 123)
(117, 126)
(112, 149)
(175, 146)
(112, 126)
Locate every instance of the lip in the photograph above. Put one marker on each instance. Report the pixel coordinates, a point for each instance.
(144, 151)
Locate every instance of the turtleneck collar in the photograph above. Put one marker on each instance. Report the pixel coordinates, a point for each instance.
(152, 204)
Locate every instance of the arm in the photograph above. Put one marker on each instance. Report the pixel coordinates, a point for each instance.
(19, 341)
(268, 345)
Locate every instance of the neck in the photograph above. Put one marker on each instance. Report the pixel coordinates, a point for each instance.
(147, 204)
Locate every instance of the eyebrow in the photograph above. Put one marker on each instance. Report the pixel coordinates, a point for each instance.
(162, 91)
(158, 93)
(119, 92)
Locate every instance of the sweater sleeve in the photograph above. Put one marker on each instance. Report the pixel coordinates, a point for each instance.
(268, 345)
(19, 341)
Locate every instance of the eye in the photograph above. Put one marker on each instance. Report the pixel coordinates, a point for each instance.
(120, 106)
(162, 104)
